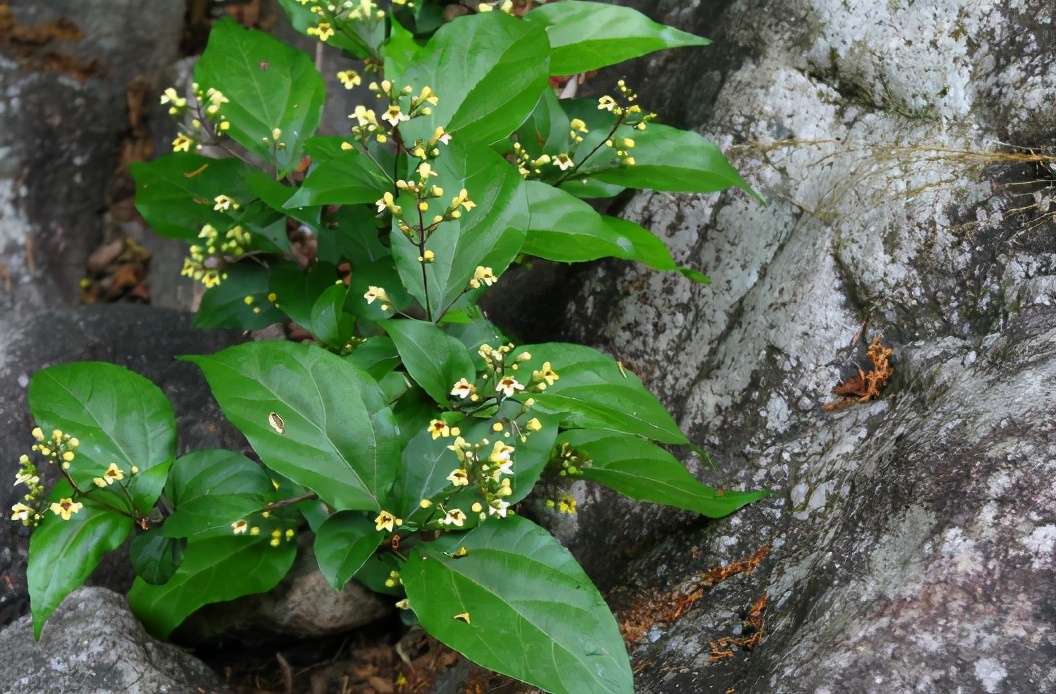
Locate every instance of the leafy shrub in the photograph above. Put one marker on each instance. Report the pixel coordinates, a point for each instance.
(406, 430)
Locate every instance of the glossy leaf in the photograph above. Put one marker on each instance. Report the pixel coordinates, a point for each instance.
(491, 234)
(488, 71)
(516, 579)
(641, 470)
(224, 306)
(341, 178)
(275, 194)
(343, 543)
(175, 193)
(377, 356)
(156, 557)
(568, 230)
(329, 323)
(338, 436)
(287, 96)
(210, 489)
(588, 36)
(297, 290)
(594, 393)
(213, 569)
(351, 234)
(118, 416)
(435, 360)
(146, 485)
(63, 553)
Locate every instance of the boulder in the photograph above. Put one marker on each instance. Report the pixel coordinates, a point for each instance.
(93, 644)
(909, 544)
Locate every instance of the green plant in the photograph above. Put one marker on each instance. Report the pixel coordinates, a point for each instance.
(403, 434)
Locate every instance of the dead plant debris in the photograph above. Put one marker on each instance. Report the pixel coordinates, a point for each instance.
(866, 385)
(751, 633)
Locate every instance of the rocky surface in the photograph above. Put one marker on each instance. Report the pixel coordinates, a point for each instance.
(93, 644)
(911, 539)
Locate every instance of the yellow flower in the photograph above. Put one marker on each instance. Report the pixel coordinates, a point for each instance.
(454, 517)
(113, 474)
(376, 293)
(324, 31)
(20, 512)
(578, 125)
(438, 428)
(546, 374)
(224, 203)
(66, 508)
(497, 507)
(349, 78)
(462, 200)
(463, 389)
(38, 434)
(606, 103)
(563, 162)
(459, 478)
(385, 521)
(460, 447)
(508, 385)
(500, 455)
(182, 143)
(425, 171)
(482, 275)
(387, 202)
(533, 424)
(394, 116)
(440, 135)
(239, 527)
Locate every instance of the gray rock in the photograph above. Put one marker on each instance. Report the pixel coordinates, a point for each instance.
(911, 538)
(94, 645)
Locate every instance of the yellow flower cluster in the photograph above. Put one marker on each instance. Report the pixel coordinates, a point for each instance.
(207, 106)
(206, 260)
(335, 15)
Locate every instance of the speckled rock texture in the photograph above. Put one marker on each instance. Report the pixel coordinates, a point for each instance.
(911, 538)
(93, 645)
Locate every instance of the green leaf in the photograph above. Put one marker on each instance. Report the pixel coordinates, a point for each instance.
(224, 306)
(641, 470)
(213, 569)
(566, 229)
(352, 235)
(595, 393)
(400, 48)
(588, 36)
(213, 488)
(145, 487)
(329, 323)
(337, 438)
(488, 71)
(343, 178)
(675, 160)
(119, 417)
(532, 613)
(275, 194)
(155, 557)
(490, 235)
(175, 193)
(546, 128)
(377, 356)
(435, 360)
(343, 543)
(63, 553)
(297, 290)
(287, 96)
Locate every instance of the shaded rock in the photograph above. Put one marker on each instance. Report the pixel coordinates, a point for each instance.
(144, 339)
(911, 539)
(94, 645)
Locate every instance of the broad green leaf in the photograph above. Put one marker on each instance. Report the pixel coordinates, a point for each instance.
(653, 255)
(519, 604)
(286, 96)
(297, 291)
(175, 193)
(352, 234)
(145, 487)
(595, 393)
(63, 553)
(337, 436)
(435, 360)
(588, 36)
(213, 488)
(213, 569)
(224, 306)
(566, 229)
(118, 416)
(358, 38)
(478, 331)
(400, 48)
(329, 323)
(546, 129)
(377, 356)
(641, 470)
(275, 194)
(342, 178)
(490, 234)
(343, 543)
(156, 557)
(488, 71)
(674, 160)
